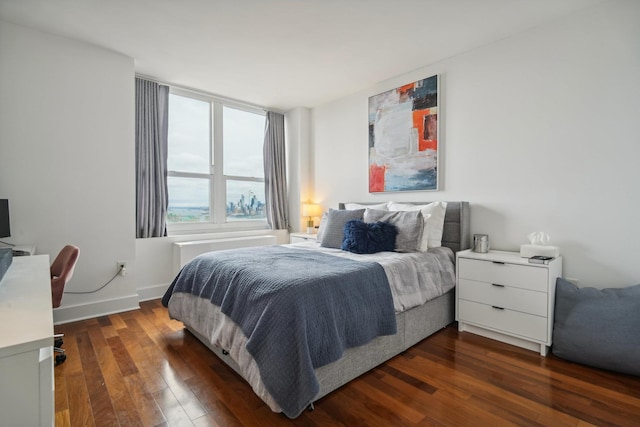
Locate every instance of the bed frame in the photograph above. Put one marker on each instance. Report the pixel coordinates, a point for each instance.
(413, 325)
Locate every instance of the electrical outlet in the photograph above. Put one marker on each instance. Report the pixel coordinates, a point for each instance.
(122, 268)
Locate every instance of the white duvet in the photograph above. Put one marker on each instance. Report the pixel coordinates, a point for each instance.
(414, 278)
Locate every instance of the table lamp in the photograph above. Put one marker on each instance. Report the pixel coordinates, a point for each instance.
(311, 210)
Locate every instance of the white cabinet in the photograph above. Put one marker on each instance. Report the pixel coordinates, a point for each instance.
(302, 237)
(26, 344)
(502, 296)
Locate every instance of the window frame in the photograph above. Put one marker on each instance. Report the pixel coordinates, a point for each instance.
(217, 179)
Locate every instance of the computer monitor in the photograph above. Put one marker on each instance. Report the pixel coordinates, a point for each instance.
(4, 218)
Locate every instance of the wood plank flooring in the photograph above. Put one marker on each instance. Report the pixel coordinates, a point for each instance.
(142, 369)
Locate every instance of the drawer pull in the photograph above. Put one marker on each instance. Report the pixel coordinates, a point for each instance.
(498, 262)
(497, 285)
(497, 308)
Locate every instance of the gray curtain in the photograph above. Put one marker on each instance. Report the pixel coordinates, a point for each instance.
(152, 125)
(275, 172)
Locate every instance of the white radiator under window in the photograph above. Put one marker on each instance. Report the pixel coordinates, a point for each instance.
(184, 252)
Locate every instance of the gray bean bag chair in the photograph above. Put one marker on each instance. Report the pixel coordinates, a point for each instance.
(598, 327)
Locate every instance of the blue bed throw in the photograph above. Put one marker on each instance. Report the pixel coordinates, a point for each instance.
(299, 310)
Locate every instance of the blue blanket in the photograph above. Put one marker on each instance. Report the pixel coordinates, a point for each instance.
(299, 310)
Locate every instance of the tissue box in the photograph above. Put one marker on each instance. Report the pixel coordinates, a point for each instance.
(527, 251)
(6, 256)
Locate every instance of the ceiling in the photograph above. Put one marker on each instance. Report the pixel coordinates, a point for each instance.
(285, 53)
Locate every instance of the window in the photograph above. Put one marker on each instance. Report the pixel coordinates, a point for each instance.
(216, 172)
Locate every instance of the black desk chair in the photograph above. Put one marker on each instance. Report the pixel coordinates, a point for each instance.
(61, 272)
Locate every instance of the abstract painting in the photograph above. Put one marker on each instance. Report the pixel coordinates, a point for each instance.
(403, 138)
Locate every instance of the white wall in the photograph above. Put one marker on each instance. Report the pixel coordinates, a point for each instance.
(539, 132)
(67, 159)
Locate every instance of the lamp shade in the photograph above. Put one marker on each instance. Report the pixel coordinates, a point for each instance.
(311, 210)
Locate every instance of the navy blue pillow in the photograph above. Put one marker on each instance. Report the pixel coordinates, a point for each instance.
(367, 238)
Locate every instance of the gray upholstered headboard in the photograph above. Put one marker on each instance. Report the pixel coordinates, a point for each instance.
(457, 230)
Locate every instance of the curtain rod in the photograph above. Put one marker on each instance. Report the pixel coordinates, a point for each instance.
(204, 92)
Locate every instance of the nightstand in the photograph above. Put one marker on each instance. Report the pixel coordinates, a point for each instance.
(302, 237)
(504, 297)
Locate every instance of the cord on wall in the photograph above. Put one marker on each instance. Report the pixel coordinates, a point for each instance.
(122, 270)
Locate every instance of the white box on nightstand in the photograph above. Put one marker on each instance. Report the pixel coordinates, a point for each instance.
(502, 296)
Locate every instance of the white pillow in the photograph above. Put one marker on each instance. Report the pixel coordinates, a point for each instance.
(433, 214)
(353, 206)
(322, 228)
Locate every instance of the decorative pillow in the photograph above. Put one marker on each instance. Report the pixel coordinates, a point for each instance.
(334, 231)
(322, 227)
(433, 215)
(598, 327)
(352, 206)
(409, 226)
(368, 238)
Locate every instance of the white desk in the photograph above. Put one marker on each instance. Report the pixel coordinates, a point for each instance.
(26, 344)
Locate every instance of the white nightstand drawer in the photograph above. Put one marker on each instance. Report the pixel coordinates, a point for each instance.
(515, 275)
(508, 321)
(523, 300)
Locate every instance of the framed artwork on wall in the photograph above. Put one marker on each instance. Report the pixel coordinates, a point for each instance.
(403, 138)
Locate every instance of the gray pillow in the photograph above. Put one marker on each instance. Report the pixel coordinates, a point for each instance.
(333, 233)
(408, 223)
(598, 327)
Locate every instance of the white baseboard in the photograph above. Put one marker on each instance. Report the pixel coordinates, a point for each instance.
(95, 309)
(152, 292)
(102, 308)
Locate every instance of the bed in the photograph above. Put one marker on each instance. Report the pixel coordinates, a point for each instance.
(231, 340)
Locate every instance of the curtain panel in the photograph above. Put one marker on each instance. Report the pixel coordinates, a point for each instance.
(275, 172)
(152, 128)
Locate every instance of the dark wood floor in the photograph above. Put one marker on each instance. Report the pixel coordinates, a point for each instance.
(140, 368)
